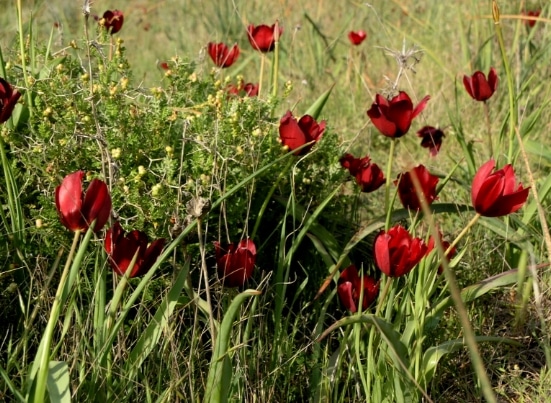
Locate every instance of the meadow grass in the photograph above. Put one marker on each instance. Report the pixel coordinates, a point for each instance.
(167, 140)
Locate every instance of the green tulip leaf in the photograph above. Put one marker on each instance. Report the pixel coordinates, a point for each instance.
(58, 382)
(315, 109)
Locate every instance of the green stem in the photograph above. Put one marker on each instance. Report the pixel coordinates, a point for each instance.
(23, 55)
(275, 67)
(461, 234)
(383, 295)
(510, 85)
(489, 128)
(262, 63)
(388, 207)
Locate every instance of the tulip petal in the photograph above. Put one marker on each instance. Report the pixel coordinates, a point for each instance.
(379, 120)
(68, 200)
(490, 193)
(420, 106)
(479, 178)
(97, 204)
(345, 295)
(290, 133)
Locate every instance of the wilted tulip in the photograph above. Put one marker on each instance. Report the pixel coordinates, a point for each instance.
(393, 118)
(480, 88)
(431, 138)
(368, 175)
(295, 134)
(221, 55)
(497, 194)
(77, 211)
(397, 252)
(351, 285)
(235, 263)
(8, 100)
(262, 38)
(112, 21)
(121, 248)
(406, 187)
(357, 38)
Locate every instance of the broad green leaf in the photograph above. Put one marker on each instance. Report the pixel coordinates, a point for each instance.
(58, 382)
(315, 109)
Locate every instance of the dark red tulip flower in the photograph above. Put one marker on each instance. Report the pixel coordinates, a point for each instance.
(495, 194)
(261, 37)
(221, 55)
(121, 248)
(235, 263)
(406, 187)
(531, 13)
(445, 245)
(112, 20)
(357, 38)
(397, 252)
(77, 210)
(248, 89)
(431, 138)
(368, 175)
(295, 134)
(8, 100)
(350, 286)
(393, 118)
(480, 88)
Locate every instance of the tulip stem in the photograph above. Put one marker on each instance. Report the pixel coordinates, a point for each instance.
(206, 277)
(388, 207)
(462, 233)
(275, 66)
(262, 63)
(383, 295)
(489, 128)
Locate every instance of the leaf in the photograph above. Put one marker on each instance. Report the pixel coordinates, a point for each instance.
(433, 355)
(220, 370)
(315, 109)
(58, 382)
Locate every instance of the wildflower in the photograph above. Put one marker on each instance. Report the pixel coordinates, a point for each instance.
(396, 252)
(357, 38)
(393, 118)
(8, 100)
(406, 188)
(248, 89)
(112, 20)
(262, 38)
(350, 286)
(497, 194)
(77, 211)
(531, 13)
(431, 138)
(480, 88)
(221, 55)
(295, 134)
(235, 263)
(121, 249)
(368, 175)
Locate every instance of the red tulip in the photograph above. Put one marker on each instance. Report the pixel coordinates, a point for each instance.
(497, 194)
(221, 55)
(77, 211)
(249, 89)
(406, 188)
(445, 245)
(531, 13)
(357, 38)
(480, 88)
(8, 100)
(393, 118)
(235, 263)
(295, 134)
(261, 37)
(431, 139)
(396, 252)
(121, 248)
(113, 20)
(350, 286)
(368, 176)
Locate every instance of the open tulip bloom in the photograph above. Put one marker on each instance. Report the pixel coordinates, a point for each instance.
(295, 134)
(368, 175)
(393, 117)
(121, 249)
(113, 20)
(261, 37)
(407, 191)
(496, 194)
(235, 263)
(350, 286)
(221, 55)
(397, 252)
(356, 38)
(8, 100)
(480, 88)
(77, 210)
